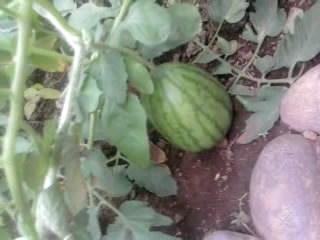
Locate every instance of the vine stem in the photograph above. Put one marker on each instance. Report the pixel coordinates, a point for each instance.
(10, 162)
(243, 72)
(206, 48)
(92, 128)
(49, 53)
(109, 205)
(237, 71)
(129, 52)
(123, 11)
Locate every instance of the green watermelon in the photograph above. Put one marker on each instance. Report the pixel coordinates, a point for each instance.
(190, 108)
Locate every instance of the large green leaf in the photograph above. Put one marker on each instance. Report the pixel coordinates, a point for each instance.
(110, 72)
(304, 44)
(89, 15)
(65, 6)
(186, 23)
(93, 223)
(148, 22)
(75, 193)
(266, 107)
(139, 218)
(230, 10)
(4, 234)
(52, 216)
(268, 19)
(89, 95)
(155, 179)
(125, 126)
(264, 64)
(116, 185)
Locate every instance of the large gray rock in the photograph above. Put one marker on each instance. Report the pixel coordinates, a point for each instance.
(300, 107)
(228, 235)
(284, 190)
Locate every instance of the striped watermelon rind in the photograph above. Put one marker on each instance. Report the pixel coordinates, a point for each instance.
(190, 108)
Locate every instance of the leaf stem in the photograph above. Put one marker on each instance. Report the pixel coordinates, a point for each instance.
(109, 205)
(245, 75)
(129, 52)
(74, 76)
(8, 11)
(9, 159)
(205, 48)
(123, 11)
(92, 128)
(50, 53)
(243, 72)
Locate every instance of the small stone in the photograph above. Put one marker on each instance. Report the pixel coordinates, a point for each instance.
(310, 135)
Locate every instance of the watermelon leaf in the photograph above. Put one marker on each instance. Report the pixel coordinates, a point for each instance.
(139, 76)
(125, 126)
(264, 64)
(136, 220)
(185, 24)
(268, 19)
(230, 10)
(116, 185)
(148, 23)
(206, 57)
(304, 44)
(110, 72)
(89, 95)
(228, 47)
(89, 15)
(155, 179)
(249, 35)
(266, 108)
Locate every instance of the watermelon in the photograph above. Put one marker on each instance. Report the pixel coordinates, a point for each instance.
(190, 108)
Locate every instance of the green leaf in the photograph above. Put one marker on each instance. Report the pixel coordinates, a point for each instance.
(49, 93)
(29, 108)
(186, 23)
(89, 15)
(125, 126)
(206, 56)
(264, 64)
(89, 95)
(110, 72)
(148, 23)
(116, 185)
(23, 145)
(75, 189)
(46, 42)
(231, 11)
(93, 224)
(139, 76)
(304, 44)
(5, 57)
(48, 63)
(139, 218)
(268, 19)
(242, 90)
(249, 35)
(155, 179)
(52, 215)
(222, 69)
(4, 234)
(35, 168)
(266, 107)
(65, 6)
(228, 48)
